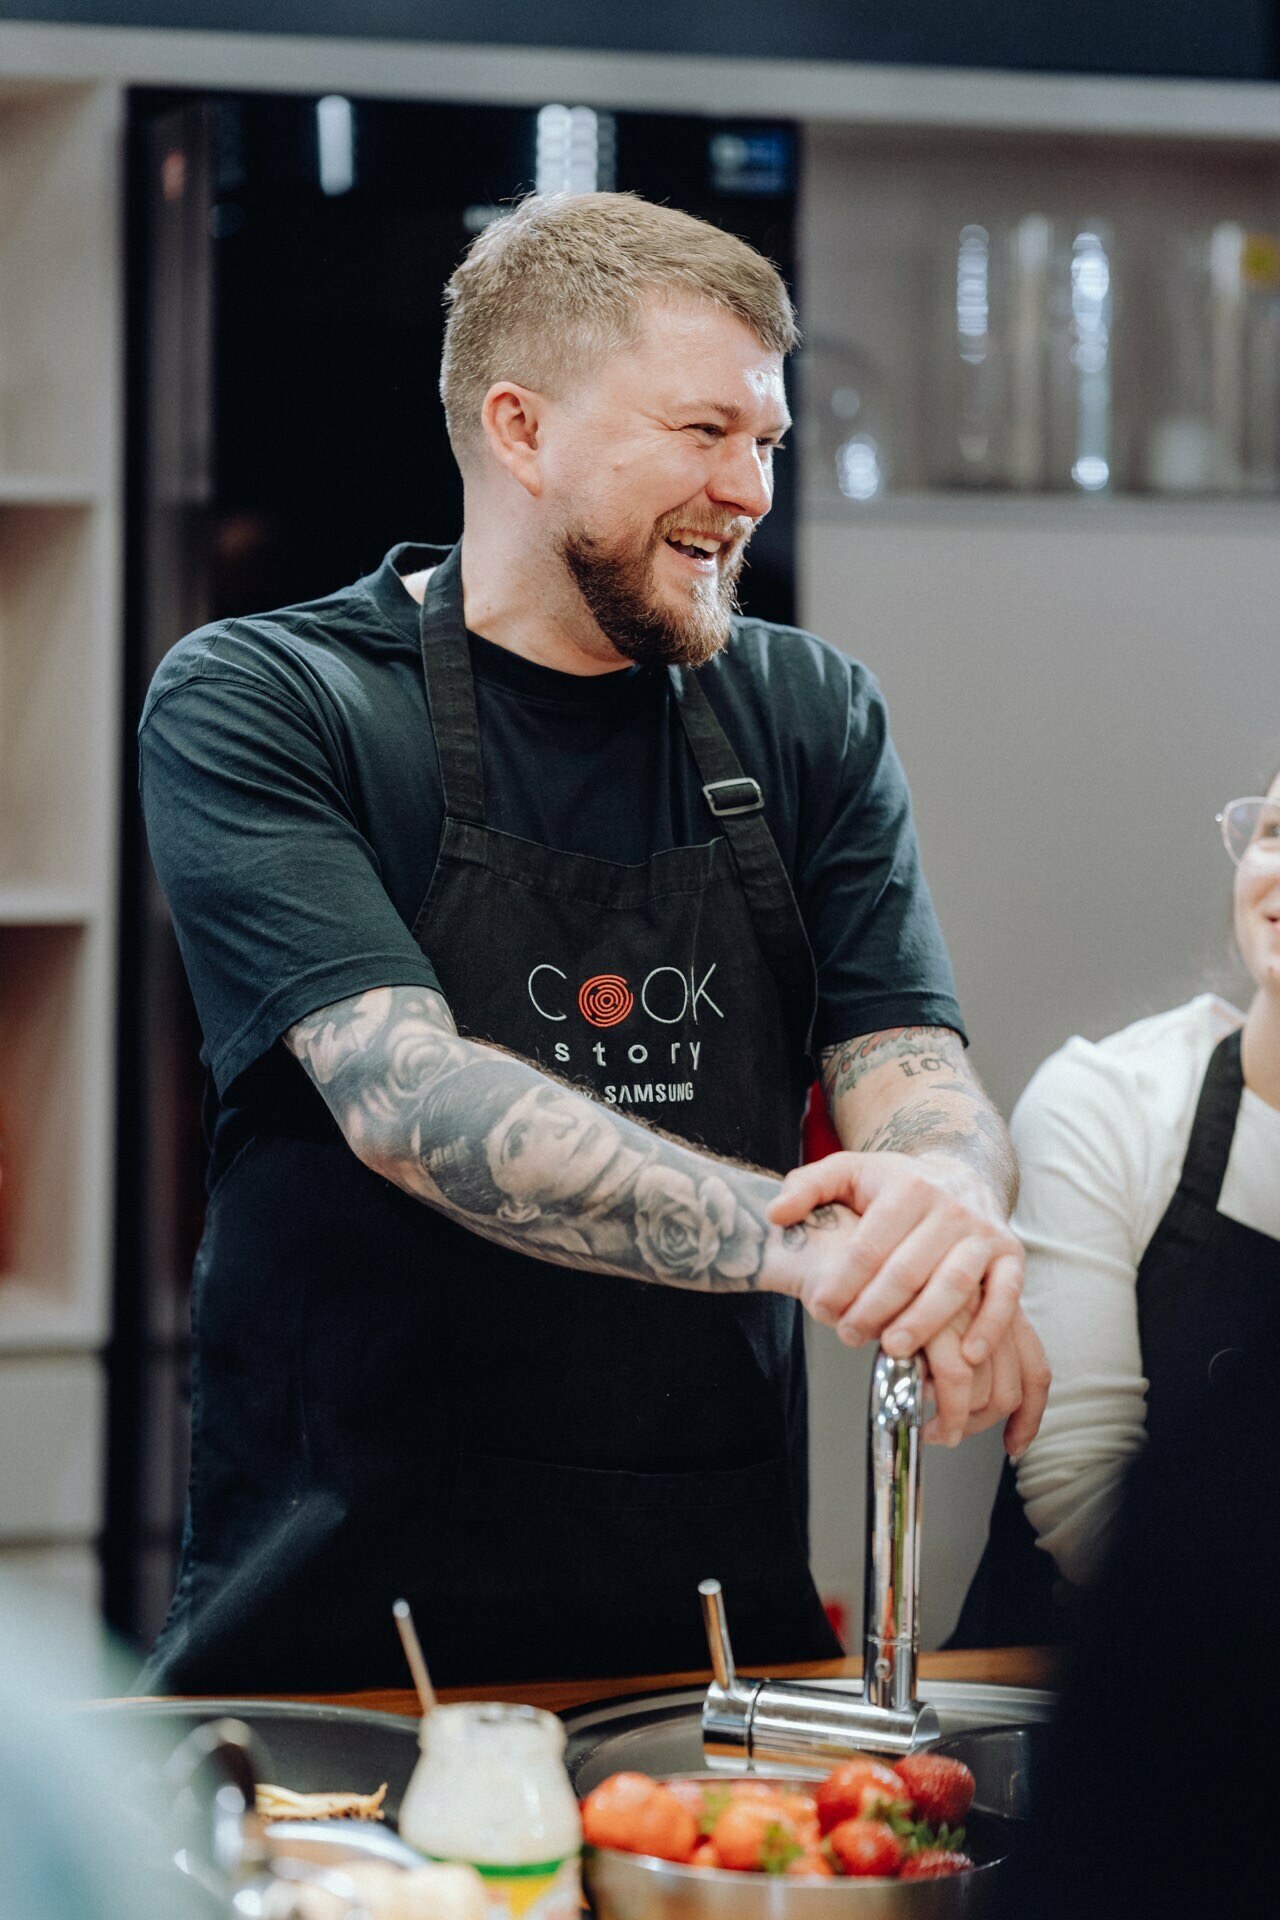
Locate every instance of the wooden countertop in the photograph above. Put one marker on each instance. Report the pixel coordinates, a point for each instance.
(1003, 1666)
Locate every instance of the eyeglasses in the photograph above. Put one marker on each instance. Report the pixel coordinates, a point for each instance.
(1251, 830)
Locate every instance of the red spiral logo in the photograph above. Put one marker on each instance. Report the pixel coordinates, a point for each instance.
(605, 1000)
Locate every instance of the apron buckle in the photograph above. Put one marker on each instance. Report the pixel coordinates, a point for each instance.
(728, 797)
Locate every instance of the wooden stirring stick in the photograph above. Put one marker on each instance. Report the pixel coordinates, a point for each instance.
(413, 1654)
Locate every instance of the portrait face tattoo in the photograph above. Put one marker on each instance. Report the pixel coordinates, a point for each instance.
(550, 1147)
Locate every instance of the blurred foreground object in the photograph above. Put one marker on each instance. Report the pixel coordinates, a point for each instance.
(76, 1831)
(1171, 1667)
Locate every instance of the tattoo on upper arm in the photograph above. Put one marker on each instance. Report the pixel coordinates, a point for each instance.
(915, 1051)
(528, 1160)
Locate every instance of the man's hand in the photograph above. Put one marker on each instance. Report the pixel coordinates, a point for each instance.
(930, 1233)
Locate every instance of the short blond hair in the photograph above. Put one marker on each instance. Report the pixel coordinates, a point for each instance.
(561, 281)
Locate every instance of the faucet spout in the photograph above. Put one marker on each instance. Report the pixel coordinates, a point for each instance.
(892, 1561)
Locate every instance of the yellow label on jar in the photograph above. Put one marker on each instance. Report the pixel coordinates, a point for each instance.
(1260, 260)
(550, 1890)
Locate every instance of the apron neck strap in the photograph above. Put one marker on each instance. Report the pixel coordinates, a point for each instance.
(737, 803)
(1214, 1125)
(451, 691)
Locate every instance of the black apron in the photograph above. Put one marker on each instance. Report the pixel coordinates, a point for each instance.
(1204, 1285)
(545, 1461)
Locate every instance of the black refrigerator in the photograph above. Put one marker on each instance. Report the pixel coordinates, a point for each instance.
(287, 257)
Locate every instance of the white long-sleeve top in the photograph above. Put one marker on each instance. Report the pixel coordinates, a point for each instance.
(1101, 1132)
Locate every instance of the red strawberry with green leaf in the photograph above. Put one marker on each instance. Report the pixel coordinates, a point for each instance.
(858, 1786)
(940, 1788)
(864, 1847)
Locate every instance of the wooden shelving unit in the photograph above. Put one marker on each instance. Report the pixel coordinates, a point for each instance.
(60, 362)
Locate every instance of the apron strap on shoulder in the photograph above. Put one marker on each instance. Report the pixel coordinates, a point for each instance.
(1213, 1128)
(737, 803)
(451, 692)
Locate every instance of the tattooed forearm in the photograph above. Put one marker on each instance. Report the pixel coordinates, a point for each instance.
(926, 1128)
(911, 1090)
(531, 1162)
(913, 1051)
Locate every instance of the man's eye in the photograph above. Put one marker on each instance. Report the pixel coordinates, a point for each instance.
(707, 427)
(515, 1141)
(773, 446)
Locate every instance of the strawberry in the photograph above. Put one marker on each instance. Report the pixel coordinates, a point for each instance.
(933, 1863)
(811, 1865)
(865, 1847)
(856, 1787)
(754, 1835)
(690, 1793)
(941, 1789)
(801, 1809)
(636, 1814)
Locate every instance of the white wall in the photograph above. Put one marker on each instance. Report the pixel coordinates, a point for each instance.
(1075, 688)
(1072, 702)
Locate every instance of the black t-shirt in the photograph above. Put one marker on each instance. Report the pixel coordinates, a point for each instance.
(293, 805)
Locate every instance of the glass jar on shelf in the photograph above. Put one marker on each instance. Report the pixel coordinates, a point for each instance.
(1245, 345)
(843, 426)
(1182, 452)
(1215, 420)
(989, 382)
(1081, 314)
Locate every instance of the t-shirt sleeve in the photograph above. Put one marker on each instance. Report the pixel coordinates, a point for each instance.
(1078, 1134)
(275, 892)
(879, 951)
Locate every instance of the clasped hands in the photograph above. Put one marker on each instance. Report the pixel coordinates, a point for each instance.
(929, 1266)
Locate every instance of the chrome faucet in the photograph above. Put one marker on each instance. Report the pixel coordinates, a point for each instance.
(785, 1724)
(891, 1573)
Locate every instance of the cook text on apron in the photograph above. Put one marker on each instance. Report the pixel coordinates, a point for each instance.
(1204, 1285)
(544, 1461)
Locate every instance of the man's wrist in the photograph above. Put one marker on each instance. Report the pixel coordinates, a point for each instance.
(968, 1181)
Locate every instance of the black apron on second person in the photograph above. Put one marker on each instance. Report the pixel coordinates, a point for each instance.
(544, 1460)
(1203, 1287)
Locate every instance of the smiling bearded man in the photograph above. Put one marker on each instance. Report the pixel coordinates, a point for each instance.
(524, 886)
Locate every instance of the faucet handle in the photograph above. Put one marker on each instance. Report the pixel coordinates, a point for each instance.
(717, 1628)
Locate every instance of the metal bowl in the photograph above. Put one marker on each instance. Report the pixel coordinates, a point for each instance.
(630, 1886)
(661, 1734)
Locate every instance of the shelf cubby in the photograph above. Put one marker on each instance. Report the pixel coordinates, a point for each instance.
(51, 722)
(51, 1251)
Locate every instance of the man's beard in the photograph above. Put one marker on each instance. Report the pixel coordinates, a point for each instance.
(617, 583)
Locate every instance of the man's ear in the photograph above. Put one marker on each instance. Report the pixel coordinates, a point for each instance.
(513, 421)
